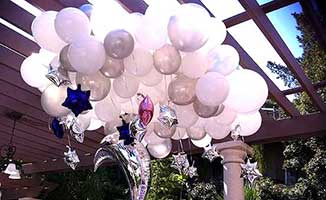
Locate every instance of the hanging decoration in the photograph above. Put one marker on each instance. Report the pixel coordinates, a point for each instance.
(249, 171)
(77, 100)
(180, 162)
(71, 158)
(210, 153)
(167, 116)
(192, 170)
(58, 76)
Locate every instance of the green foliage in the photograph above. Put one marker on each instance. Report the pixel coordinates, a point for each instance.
(204, 191)
(250, 193)
(283, 73)
(259, 157)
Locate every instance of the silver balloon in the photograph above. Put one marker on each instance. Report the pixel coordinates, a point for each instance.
(71, 158)
(180, 162)
(119, 44)
(249, 171)
(167, 116)
(164, 131)
(167, 59)
(135, 162)
(58, 76)
(181, 90)
(112, 68)
(137, 129)
(64, 59)
(203, 110)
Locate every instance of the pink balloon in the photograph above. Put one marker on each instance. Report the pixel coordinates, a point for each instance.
(146, 110)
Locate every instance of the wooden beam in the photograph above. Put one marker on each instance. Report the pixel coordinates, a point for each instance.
(269, 31)
(318, 85)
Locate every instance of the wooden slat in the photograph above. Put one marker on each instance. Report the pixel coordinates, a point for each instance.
(301, 89)
(269, 31)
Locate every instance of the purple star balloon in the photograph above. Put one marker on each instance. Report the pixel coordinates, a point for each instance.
(146, 110)
(77, 100)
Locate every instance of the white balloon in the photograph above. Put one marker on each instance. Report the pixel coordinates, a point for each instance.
(83, 121)
(86, 55)
(51, 100)
(216, 130)
(226, 117)
(179, 134)
(125, 85)
(160, 150)
(151, 138)
(250, 87)
(223, 59)
(134, 20)
(44, 33)
(139, 63)
(203, 142)
(71, 23)
(117, 98)
(107, 110)
(249, 123)
(212, 89)
(95, 124)
(194, 65)
(152, 78)
(33, 72)
(186, 115)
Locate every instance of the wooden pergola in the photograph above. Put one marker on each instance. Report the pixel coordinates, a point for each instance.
(43, 152)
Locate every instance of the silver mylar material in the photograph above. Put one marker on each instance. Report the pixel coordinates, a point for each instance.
(134, 160)
(79, 136)
(137, 129)
(192, 170)
(58, 76)
(250, 171)
(210, 153)
(180, 162)
(235, 133)
(71, 158)
(167, 116)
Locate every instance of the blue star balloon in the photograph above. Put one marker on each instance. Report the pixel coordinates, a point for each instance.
(57, 128)
(125, 133)
(77, 100)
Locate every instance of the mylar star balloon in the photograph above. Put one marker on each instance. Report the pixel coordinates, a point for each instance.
(77, 100)
(57, 127)
(146, 110)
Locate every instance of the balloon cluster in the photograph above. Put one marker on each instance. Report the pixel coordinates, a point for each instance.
(173, 54)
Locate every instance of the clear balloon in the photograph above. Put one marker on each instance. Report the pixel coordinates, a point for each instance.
(248, 85)
(194, 65)
(189, 28)
(226, 116)
(167, 59)
(216, 130)
(249, 123)
(163, 131)
(203, 110)
(152, 78)
(181, 90)
(98, 84)
(204, 142)
(160, 150)
(51, 100)
(223, 59)
(86, 55)
(196, 133)
(139, 63)
(112, 68)
(33, 72)
(110, 127)
(44, 33)
(212, 89)
(107, 110)
(186, 116)
(119, 44)
(179, 134)
(71, 24)
(152, 138)
(125, 85)
(63, 56)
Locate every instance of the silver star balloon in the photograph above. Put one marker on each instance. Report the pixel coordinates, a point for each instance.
(71, 158)
(69, 120)
(137, 129)
(167, 116)
(235, 133)
(180, 162)
(250, 171)
(58, 76)
(210, 153)
(192, 170)
(79, 136)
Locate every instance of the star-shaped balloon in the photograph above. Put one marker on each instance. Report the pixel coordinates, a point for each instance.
(192, 170)
(146, 110)
(250, 171)
(58, 76)
(125, 133)
(77, 100)
(210, 153)
(79, 136)
(235, 133)
(180, 162)
(57, 127)
(167, 116)
(71, 158)
(137, 129)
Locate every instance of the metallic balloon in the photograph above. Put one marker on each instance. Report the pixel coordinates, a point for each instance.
(146, 110)
(167, 59)
(58, 76)
(181, 90)
(64, 59)
(71, 158)
(167, 116)
(135, 162)
(164, 131)
(203, 110)
(112, 68)
(137, 129)
(119, 44)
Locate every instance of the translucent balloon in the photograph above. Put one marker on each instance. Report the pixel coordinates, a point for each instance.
(189, 28)
(212, 89)
(117, 98)
(71, 23)
(196, 133)
(216, 130)
(110, 127)
(249, 123)
(203, 110)
(112, 68)
(125, 85)
(156, 95)
(160, 150)
(64, 59)
(205, 141)
(51, 100)
(223, 59)
(179, 134)
(167, 59)
(194, 65)
(181, 90)
(86, 55)
(186, 116)
(44, 33)
(250, 87)
(98, 84)
(152, 78)
(163, 131)
(139, 63)
(152, 138)
(226, 116)
(107, 110)
(33, 71)
(118, 44)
